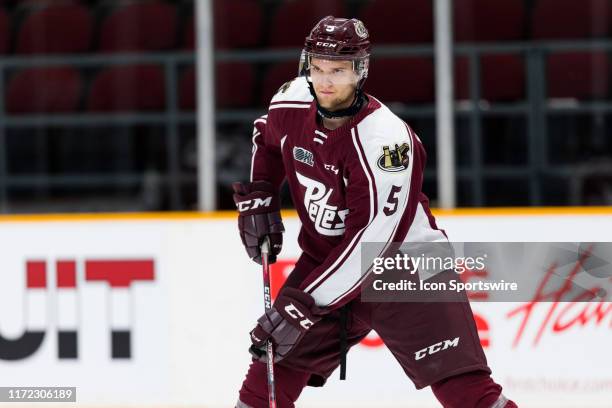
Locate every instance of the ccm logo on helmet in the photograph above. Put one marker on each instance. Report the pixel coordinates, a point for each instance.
(326, 44)
(434, 348)
(253, 204)
(296, 314)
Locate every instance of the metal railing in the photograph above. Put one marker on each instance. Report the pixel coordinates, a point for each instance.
(170, 119)
(536, 108)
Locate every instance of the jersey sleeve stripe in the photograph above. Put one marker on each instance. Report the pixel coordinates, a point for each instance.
(289, 105)
(255, 134)
(292, 102)
(349, 249)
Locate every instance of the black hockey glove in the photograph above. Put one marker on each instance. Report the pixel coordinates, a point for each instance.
(259, 215)
(292, 315)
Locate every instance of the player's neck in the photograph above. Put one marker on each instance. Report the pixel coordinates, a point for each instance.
(335, 123)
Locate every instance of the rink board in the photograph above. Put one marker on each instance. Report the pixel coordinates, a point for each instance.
(175, 333)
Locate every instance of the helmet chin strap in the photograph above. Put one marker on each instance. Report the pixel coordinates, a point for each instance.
(357, 104)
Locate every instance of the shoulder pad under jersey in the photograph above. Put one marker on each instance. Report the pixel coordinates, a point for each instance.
(382, 126)
(296, 90)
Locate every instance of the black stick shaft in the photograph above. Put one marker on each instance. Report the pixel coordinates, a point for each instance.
(265, 250)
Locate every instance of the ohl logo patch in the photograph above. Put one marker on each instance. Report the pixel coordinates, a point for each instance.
(394, 160)
(304, 156)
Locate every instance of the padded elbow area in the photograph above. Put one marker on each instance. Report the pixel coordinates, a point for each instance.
(475, 389)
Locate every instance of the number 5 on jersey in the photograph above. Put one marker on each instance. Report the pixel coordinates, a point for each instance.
(392, 201)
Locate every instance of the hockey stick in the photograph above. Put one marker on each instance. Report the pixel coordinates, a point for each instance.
(265, 251)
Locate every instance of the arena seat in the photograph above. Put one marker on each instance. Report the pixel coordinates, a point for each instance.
(568, 19)
(141, 26)
(413, 80)
(242, 27)
(485, 20)
(187, 89)
(579, 74)
(235, 82)
(284, 32)
(44, 90)
(128, 88)
(242, 23)
(188, 35)
(56, 28)
(502, 78)
(5, 31)
(275, 76)
(389, 23)
(234, 86)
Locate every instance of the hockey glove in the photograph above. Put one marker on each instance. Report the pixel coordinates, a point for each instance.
(259, 215)
(293, 314)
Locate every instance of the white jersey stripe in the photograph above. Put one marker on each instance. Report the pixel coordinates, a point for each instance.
(255, 134)
(347, 273)
(357, 236)
(290, 101)
(289, 105)
(282, 143)
(262, 119)
(363, 161)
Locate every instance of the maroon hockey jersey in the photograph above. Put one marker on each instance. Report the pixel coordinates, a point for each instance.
(358, 183)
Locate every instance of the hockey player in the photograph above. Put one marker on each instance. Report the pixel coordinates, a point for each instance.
(355, 172)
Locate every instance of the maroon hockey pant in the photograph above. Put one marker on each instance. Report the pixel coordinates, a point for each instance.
(410, 330)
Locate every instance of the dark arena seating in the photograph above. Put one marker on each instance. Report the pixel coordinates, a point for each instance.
(128, 88)
(286, 32)
(583, 74)
(276, 75)
(62, 28)
(502, 76)
(235, 84)
(389, 23)
(139, 26)
(5, 30)
(63, 87)
(406, 80)
(123, 73)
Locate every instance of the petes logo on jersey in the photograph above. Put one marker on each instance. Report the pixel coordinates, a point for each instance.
(394, 160)
(328, 219)
(302, 155)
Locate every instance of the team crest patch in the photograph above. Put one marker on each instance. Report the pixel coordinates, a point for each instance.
(302, 155)
(360, 29)
(394, 160)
